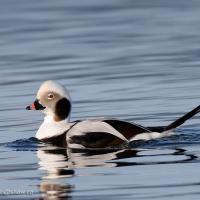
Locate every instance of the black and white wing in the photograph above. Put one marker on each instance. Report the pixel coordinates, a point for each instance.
(102, 133)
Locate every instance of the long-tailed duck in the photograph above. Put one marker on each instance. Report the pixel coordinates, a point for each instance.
(54, 100)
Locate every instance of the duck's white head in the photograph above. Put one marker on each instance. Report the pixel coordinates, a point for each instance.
(53, 100)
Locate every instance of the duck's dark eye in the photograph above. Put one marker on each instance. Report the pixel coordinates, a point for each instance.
(50, 96)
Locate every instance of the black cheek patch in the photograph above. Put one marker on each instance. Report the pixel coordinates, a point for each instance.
(63, 107)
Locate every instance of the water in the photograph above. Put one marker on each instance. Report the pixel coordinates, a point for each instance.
(133, 60)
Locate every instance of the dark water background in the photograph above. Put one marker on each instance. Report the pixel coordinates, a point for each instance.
(134, 60)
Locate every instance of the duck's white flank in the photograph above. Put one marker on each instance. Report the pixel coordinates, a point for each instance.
(89, 126)
(151, 135)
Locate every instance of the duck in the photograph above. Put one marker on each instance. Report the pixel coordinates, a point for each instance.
(54, 100)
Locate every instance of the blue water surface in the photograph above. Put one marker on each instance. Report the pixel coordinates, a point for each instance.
(133, 60)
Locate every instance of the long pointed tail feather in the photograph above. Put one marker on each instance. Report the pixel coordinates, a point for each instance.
(163, 131)
(182, 119)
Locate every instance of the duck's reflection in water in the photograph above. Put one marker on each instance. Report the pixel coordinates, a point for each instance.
(59, 164)
(54, 162)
